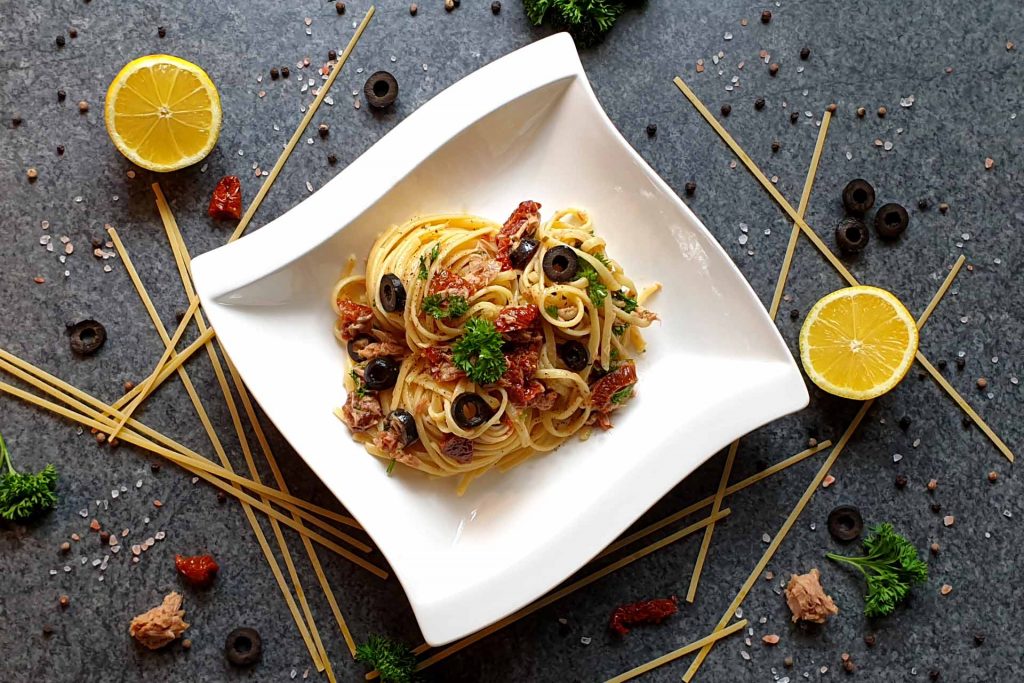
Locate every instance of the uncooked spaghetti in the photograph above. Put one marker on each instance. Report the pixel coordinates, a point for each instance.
(475, 344)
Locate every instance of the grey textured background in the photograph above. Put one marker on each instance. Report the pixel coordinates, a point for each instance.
(868, 53)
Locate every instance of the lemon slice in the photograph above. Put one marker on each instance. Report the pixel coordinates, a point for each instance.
(162, 112)
(858, 342)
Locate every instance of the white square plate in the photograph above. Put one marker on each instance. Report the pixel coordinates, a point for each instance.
(524, 127)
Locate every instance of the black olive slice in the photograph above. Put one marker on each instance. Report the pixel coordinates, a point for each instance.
(858, 196)
(381, 90)
(891, 220)
(357, 344)
(574, 354)
(392, 293)
(243, 647)
(561, 264)
(470, 410)
(845, 523)
(407, 423)
(523, 253)
(851, 235)
(87, 337)
(381, 373)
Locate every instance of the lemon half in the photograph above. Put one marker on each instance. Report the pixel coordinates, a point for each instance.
(163, 112)
(858, 342)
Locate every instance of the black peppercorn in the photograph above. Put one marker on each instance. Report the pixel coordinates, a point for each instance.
(794, 314)
(773, 69)
(60, 150)
(73, 32)
(901, 481)
(340, 7)
(161, 31)
(942, 364)
(413, 9)
(726, 109)
(332, 55)
(766, 16)
(961, 362)
(904, 423)
(60, 41)
(776, 145)
(933, 675)
(331, 159)
(759, 103)
(274, 73)
(15, 121)
(61, 95)
(923, 204)
(285, 72)
(105, 537)
(495, 7)
(869, 640)
(323, 130)
(936, 508)
(794, 116)
(222, 497)
(805, 53)
(154, 467)
(690, 187)
(979, 639)
(652, 130)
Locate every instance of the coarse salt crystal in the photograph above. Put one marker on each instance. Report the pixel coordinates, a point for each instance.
(766, 538)
(586, 640)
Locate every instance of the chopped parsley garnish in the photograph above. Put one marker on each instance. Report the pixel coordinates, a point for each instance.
(614, 355)
(603, 259)
(596, 290)
(552, 311)
(393, 661)
(391, 467)
(434, 253)
(618, 329)
(360, 389)
(891, 566)
(445, 307)
(24, 495)
(478, 352)
(622, 395)
(629, 304)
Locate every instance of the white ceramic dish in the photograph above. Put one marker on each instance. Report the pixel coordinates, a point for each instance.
(524, 127)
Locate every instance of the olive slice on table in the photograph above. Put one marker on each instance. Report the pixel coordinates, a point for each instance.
(845, 523)
(891, 220)
(561, 264)
(574, 354)
(381, 373)
(381, 90)
(87, 337)
(243, 647)
(858, 196)
(523, 253)
(408, 431)
(851, 235)
(392, 293)
(357, 344)
(470, 410)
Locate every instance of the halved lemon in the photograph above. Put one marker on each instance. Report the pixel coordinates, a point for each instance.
(163, 113)
(858, 342)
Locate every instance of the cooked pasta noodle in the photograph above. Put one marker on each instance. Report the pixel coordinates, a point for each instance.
(476, 344)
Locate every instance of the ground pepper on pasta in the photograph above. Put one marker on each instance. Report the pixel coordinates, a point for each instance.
(475, 344)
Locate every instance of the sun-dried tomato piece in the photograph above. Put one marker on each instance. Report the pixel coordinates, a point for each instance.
(356, 319)
(447, 282)
(602, 391)
(226, 202)
(518, 379)
(522, 223)
(515, 318)
(198, 570)
(643, 612)
(458, 448)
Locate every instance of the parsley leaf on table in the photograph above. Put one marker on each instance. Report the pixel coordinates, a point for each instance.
(24, 495)
(891, 567)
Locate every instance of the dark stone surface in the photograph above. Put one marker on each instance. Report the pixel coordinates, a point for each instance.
(863, 53)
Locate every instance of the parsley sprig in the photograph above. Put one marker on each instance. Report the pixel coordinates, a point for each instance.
(627, 303)
(891, 567)
(393, 661)
(434, 253)
(445, 307)
(622, 395)
(596, 290)
(586, 20)
(24, 495)
(478, 352)
(360, 388)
